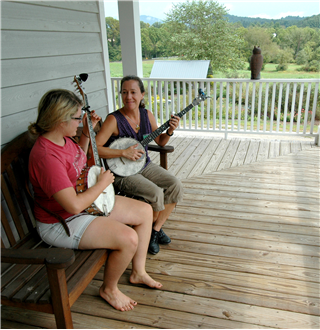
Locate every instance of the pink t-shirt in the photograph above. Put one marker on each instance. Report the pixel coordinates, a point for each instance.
(53, 168)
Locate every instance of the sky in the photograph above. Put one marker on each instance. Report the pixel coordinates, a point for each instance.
(249, 8)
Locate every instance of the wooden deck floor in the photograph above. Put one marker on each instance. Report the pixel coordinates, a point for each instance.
(244, 251)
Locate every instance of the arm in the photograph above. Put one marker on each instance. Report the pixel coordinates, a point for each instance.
(75, 203)
(163, 138)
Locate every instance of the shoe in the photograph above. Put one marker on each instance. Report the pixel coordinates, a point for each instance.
(154, 245)
(163, 238)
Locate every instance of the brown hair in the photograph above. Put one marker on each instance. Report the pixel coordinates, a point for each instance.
(55, 106)
(141, 86)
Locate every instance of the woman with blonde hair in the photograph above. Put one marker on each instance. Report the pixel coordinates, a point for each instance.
(55, 164)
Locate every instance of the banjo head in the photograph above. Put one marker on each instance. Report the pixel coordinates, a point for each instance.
(122, 166)
(105, 201)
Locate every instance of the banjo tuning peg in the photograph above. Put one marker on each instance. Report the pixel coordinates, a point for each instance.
(83, 76)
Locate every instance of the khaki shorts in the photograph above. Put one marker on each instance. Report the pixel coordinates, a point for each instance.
(154, 184)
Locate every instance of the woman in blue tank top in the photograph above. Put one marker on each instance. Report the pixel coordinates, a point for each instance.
(154, 184)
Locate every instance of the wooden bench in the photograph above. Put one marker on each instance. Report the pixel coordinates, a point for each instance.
(34, 275)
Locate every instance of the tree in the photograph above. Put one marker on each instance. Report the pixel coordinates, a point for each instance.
(200, 31)
(295, 38)
(262, 37)
(113, 35)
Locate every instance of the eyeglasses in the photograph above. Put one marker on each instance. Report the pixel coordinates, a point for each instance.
(77, 118)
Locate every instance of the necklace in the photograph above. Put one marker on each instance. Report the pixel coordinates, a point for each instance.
(137, 125)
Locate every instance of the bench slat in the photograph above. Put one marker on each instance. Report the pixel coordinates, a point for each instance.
(7, 228)
(12, 207)
(17, 192)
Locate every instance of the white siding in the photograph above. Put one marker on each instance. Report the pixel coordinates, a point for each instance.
(43, 45)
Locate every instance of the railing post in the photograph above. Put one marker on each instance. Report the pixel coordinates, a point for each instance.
(317, 138)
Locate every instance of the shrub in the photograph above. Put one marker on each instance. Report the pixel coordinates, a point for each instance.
(282, 67)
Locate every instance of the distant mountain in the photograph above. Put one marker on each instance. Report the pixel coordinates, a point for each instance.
(312, 21)
(149, 19)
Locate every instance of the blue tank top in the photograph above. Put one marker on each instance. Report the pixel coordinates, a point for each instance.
(125, 129)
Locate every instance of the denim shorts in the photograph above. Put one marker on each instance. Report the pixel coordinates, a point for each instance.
(54, 233)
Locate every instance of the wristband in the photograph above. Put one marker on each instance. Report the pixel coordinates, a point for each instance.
(168, 133)
(86, 135)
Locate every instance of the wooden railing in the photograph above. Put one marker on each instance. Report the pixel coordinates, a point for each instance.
(243, 106)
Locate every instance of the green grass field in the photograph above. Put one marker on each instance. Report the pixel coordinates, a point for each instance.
(268, 73)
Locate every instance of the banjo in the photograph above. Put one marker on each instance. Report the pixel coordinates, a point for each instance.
(104, 204)
(125, 167)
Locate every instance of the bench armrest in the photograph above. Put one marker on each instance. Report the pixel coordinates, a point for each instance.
(162, 150)
(163, 153)
(57, 258)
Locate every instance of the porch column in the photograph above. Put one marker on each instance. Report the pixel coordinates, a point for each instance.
(129, 20)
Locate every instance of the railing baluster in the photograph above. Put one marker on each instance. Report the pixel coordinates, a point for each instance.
(208, 104)
(246, 107)
(233, 104)
(300, 107)
(259, 106)
(184, 103)
(272, 105)
(201, 84)
(253, 102)
(293, 106)
(119, 97)
(220, 105)
(265, 115)
(196, 108)
(166, 99)
(214, 115)
(172, 98)
(190, 100)
(178, 96)
(161, 102)
(279, 106)
(149, 96)
(286, 107)
(306, 110)
(227, 106)
(314, 108)
(240, 105)
(155, 103)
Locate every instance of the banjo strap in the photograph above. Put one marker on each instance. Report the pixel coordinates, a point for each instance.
(57, 216)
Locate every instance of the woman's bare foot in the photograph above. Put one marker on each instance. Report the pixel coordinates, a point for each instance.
(117, 299)
(144, 278)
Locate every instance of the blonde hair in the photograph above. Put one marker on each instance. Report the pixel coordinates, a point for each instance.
(55, 106)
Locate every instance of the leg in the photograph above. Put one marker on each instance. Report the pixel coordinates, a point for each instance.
(159, 218)
(122, 241)
(139, 216)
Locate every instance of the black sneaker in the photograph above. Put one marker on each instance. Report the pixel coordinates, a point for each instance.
(154, 245)
(163, 238)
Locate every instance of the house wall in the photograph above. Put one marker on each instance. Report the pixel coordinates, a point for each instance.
(43, 45)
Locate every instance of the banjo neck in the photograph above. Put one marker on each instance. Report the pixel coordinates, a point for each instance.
(78, 80)
(166, 125)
